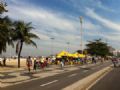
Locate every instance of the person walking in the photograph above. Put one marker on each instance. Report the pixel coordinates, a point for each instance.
(93, 60)
(115, 62)
(4, 61)
(35, 64)
(62, 64)
(29, 63)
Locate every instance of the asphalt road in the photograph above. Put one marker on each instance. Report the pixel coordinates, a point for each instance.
(58, 81)
(110, 82)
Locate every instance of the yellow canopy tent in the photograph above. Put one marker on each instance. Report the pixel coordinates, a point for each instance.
(59, 56)
(70, 55)
(63, 53)
(75, 55)
(81, 55)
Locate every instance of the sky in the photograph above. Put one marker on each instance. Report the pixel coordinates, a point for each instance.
(60, 19)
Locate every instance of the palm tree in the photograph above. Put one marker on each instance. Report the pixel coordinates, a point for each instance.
(2, 7)
(5, 33)
(23, 35)
(5, 28)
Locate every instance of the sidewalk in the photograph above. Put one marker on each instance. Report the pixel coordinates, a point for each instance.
(17, 76)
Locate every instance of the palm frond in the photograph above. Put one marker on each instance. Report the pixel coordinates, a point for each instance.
(32, 35)
(30, 42)
(33, 43)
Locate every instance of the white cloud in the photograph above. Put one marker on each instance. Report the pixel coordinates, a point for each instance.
(50, 20)
(63, 28)
(105, 22)
(113, 37)
(14, 1)
(100, 5)
(82, 4)
(90, 26)
(41, 36)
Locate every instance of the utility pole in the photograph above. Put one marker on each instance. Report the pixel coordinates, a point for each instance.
(81, 34)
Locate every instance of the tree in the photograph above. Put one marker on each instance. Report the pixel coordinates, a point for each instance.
(5, 33)
(79, 51)
(97, 48)
(5, 28)
(2, 7)
(22, 35)
(82, 52)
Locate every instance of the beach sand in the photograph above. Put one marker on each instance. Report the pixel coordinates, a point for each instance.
(11, 64)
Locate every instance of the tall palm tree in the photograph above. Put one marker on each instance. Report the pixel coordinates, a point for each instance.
(5, 28)
(23, 35)
(5, 33)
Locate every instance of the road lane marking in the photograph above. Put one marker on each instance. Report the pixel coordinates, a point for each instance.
(49, 83)
(72, 75)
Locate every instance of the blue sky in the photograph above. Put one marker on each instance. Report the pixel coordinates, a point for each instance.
(60, 19)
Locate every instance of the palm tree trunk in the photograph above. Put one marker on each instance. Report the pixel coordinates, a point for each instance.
(19, 53)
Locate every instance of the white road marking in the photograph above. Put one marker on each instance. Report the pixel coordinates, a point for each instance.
(72, 75)
(49, 83)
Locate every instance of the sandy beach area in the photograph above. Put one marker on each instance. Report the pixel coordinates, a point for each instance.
(11, 64)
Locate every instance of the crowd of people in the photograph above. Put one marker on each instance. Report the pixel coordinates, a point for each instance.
(42, 62)
(37, 63)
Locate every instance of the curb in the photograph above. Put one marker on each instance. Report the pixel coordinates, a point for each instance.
(87, 82)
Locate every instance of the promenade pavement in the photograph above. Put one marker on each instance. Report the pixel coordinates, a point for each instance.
(19, 76)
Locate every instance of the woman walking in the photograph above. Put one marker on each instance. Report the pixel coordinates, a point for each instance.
(29, 63)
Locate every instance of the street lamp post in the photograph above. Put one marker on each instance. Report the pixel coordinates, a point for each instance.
(52, 45)
(81, 34)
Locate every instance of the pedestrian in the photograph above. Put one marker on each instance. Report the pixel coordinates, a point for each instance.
(62, 64)
(29, 63)
(115, 62)
(35, 64)
(4, 61)
(93, 60)
(42, 62)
